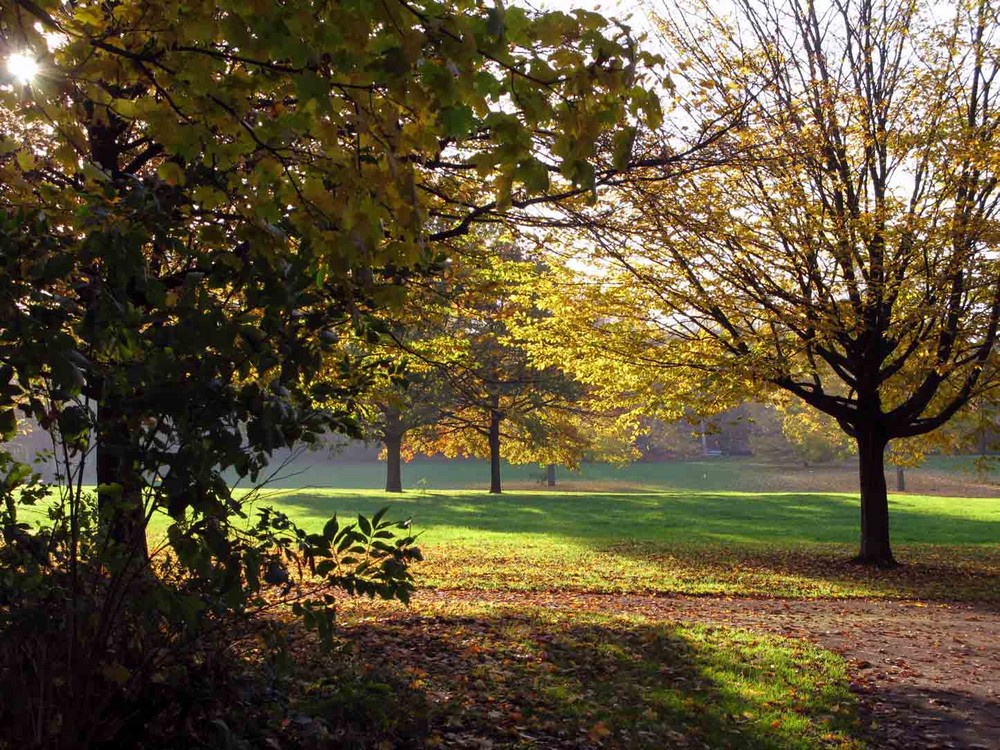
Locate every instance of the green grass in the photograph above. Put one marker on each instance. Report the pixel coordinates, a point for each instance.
(664, 516)
(528, 677)
(310, 470)
(702, 542)
(521, 676)
(661, 529)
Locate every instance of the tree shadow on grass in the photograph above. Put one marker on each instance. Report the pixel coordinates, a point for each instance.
(904, 716)
(927, 571)
(759, 545)
(535, 679)
(777, 518)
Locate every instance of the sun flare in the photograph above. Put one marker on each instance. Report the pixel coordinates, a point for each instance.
(22, 66)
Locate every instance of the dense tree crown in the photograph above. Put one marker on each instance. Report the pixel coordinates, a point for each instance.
(199, 203)
(845, 252)
(491, 399)
(199, 197)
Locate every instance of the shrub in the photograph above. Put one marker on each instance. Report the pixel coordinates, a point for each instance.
(99, 641)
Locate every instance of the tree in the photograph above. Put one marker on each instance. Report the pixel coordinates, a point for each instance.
(843, 248)
(198, 201)
(496, 402)
(813, 435)
(199, 237)
(406, 400)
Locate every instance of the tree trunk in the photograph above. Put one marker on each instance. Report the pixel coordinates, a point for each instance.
(900, 479)
(550, 475)
(393, 465)
(494, 437)
(875, 548)
(124, 512)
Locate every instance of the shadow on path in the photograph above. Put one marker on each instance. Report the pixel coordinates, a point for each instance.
(928, 674)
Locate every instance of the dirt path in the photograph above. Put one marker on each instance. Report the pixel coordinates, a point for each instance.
(928, 675)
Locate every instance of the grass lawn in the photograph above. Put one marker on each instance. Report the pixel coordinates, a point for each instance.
(519, 675)
(678, 527)
(667, 538)
(449, 673)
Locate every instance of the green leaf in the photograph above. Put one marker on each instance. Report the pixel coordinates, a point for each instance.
(364, 525)
(533, 174)
(312, 86)
(25, 160)
(18, 473)
(624, 140)
(171, 173)
(457, 122)
(495, 20)
(505, 186)
(8, 424)
(330, 529)
(325, 567)
(551, 28)
(116, 673)
(112, 491)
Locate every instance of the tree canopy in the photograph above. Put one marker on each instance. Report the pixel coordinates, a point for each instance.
(493, 399)
(198, 202)
(205, 194)
(844, 249)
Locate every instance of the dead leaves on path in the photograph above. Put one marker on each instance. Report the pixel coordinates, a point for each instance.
(927, 674)
(531, 655)
(928, 572)
(534, 678)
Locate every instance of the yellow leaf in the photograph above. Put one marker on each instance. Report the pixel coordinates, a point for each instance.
(599, 731)
(25, 160)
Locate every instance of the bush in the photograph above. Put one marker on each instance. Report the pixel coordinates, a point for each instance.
(102, 645)
(143, 357)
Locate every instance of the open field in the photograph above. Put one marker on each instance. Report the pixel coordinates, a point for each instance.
(759, 544)
(635, 608)
(953, 476)
(693, 527)
(684, 527)
(704, 605)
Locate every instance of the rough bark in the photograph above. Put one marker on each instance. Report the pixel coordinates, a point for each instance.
(494, 438)
(393, 463)
(124, 513)
(875, 547)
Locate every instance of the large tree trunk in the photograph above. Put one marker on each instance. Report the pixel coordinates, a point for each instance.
(393, 466)
(124, 512)
(494, 438)
(550, 475)
(875, 548)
